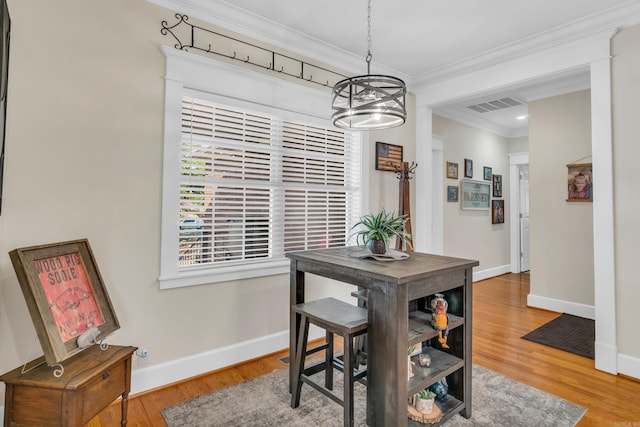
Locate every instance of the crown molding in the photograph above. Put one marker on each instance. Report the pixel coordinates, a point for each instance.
(225, 15)
(592, 26)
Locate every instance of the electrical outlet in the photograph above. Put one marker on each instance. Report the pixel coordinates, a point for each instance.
(143, 355)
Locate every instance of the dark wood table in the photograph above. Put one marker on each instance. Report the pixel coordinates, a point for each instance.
(391, 286)
(91, 380)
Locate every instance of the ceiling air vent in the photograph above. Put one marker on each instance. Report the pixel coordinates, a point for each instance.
(497, 104)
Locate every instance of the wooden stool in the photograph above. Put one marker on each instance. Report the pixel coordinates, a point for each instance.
(336, 317)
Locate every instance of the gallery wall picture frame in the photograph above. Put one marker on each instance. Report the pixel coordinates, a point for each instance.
(497, 185)
(580, 182)
(452, 170)
(65, 295)
(497, 211)
(487, 173)
(452, 193)
(475, 195)
(388, 157)
(468, 168)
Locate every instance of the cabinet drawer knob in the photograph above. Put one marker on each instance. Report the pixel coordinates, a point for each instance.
(106, 375)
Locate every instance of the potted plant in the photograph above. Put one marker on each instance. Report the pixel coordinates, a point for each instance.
(424, 402)
(379, 229)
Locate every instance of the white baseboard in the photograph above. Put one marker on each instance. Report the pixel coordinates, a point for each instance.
(180, 369)
(491, 272)
(190, 366)
(629, 366)
(560, 306)
(606, 357)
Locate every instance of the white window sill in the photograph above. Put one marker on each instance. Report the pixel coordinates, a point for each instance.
(223, 274)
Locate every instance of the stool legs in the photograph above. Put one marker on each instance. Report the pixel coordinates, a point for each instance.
(298, 364)
(328, 369)
(348, 368)
(348, 380)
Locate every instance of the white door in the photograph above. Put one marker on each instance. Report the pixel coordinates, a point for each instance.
(524, 218)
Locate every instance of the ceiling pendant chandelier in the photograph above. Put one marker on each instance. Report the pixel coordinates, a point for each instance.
(369, 102)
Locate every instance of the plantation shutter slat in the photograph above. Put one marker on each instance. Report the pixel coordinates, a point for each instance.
(254, 186)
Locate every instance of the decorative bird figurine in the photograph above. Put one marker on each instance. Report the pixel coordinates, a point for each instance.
(440, 318)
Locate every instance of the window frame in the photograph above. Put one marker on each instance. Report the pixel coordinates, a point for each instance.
(189, 75)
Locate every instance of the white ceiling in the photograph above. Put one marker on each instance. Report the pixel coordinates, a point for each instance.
(425, 40)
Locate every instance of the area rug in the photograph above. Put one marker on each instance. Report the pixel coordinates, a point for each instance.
(265, 401)
(569, 333)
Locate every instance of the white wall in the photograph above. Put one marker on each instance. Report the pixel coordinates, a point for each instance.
(84, 158)
(469, 233)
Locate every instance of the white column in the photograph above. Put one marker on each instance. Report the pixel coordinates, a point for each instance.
(606, 348)
(422, 241)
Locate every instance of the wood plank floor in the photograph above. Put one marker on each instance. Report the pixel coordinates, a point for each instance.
(501, 317)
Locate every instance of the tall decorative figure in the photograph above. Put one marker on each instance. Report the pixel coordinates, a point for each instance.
(404, 208)
(440, 318)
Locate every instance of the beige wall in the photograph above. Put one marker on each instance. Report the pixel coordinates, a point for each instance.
(84, 159)
(490, 242)
(383, 185)
(561, 232)
(626, 152)
(519, 145)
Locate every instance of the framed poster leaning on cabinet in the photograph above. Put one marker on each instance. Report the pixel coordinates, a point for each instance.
(65, 296)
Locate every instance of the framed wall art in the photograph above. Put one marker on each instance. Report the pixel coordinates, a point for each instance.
(475, 195)
(580, 182)
(497, 185)
(452, 170)
(65, 295)
(388, 157)
(487, 173)
(497, 211)
(468, 168)
(452, 193)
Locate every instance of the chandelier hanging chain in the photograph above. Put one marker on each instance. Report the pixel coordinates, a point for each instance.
(372, 101)
(369, 56)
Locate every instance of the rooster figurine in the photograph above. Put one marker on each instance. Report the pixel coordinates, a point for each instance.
(440, 318)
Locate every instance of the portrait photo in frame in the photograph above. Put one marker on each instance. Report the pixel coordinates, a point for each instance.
(388, 157)
(65, 295)
(452, 170)
(497, 211)
(497, 185)
(580, 182)
(468, 168)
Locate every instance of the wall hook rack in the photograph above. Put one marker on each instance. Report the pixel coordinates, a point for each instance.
(189, 36)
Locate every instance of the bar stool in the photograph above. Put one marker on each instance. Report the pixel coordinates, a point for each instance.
(336, 317)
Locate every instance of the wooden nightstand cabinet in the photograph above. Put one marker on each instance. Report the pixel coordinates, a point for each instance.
(91, 381)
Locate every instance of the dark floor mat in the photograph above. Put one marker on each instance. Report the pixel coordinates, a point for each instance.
(567, 332)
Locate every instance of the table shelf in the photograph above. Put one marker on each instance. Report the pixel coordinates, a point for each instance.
(442, 364)
(420, 328)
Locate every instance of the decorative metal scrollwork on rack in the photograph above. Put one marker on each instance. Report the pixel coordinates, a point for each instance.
(189, 36)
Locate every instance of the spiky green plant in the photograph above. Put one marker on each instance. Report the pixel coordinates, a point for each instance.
(381, 226)
(426, 394)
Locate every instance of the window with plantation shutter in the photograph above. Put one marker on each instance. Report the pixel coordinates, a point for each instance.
(252, 169)
(254, 186)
